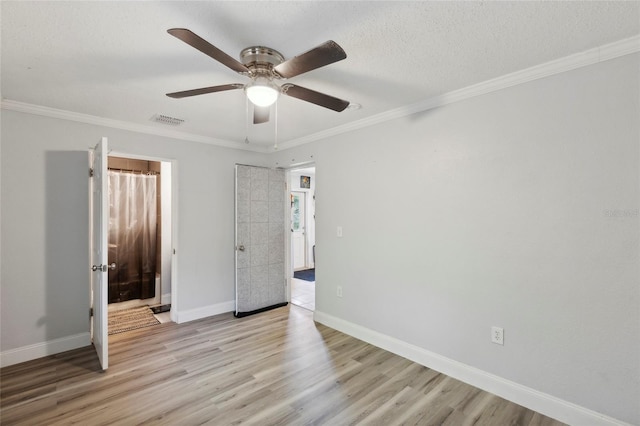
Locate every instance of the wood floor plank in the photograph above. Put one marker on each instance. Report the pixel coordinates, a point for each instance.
(275, 368)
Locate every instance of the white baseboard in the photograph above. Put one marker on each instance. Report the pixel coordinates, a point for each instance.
(543, 403)
(165, 299)
(205, 311)
(39, 350)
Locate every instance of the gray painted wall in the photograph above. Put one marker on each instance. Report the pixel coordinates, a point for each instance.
(45, 292)
(496, 211)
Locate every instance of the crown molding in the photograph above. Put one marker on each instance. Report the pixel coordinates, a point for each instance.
(12, 105)
(568, 63)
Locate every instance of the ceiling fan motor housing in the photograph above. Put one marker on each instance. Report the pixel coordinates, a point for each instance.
(260, 60)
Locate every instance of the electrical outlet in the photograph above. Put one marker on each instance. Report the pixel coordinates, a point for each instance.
(339, 232)
(497, 335)
(339, 291)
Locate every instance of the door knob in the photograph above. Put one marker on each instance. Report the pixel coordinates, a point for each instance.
(241, 247)
(103, 268)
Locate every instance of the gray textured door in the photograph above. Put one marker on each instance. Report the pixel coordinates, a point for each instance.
(260, 239)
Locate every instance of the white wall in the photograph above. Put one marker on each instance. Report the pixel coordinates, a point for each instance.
(45, 263)
(497, 210)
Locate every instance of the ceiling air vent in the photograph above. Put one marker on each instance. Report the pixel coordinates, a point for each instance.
(165, 119)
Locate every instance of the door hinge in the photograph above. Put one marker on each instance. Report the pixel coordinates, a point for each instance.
(90, 172)
(90, 312)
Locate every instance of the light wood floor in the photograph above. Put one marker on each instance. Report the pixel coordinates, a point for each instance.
(303, 294)
(278, 367)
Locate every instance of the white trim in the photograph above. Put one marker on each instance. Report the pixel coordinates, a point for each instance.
(235, 237)
(174, 241)
(18, 106)
(39, 350)
(165, 299)
(588, 57)
(128, 155)
(543, 403)
(204, 312)
(568, 63)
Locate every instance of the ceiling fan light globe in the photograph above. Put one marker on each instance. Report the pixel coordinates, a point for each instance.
(261, 93)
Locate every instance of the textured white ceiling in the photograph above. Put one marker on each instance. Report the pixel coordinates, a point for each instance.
(115, 59)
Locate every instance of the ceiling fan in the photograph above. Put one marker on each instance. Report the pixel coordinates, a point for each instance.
(263, 65)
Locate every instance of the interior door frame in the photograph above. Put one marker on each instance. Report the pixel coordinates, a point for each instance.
(288, 264)
(173, 313)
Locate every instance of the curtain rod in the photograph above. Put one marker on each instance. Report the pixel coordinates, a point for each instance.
(142, 172)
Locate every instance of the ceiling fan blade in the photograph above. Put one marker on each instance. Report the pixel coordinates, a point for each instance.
(260, 114)
(205, 90)
(325, 54)
(207, 48)
(314, 97)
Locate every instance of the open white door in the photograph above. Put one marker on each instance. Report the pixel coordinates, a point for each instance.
(98, 224)
(298, 226)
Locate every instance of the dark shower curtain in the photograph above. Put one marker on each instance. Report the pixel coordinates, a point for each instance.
(132, 236)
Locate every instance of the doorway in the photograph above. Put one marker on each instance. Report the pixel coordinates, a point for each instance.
(302, 184)
(140, 230)
(298, 230)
